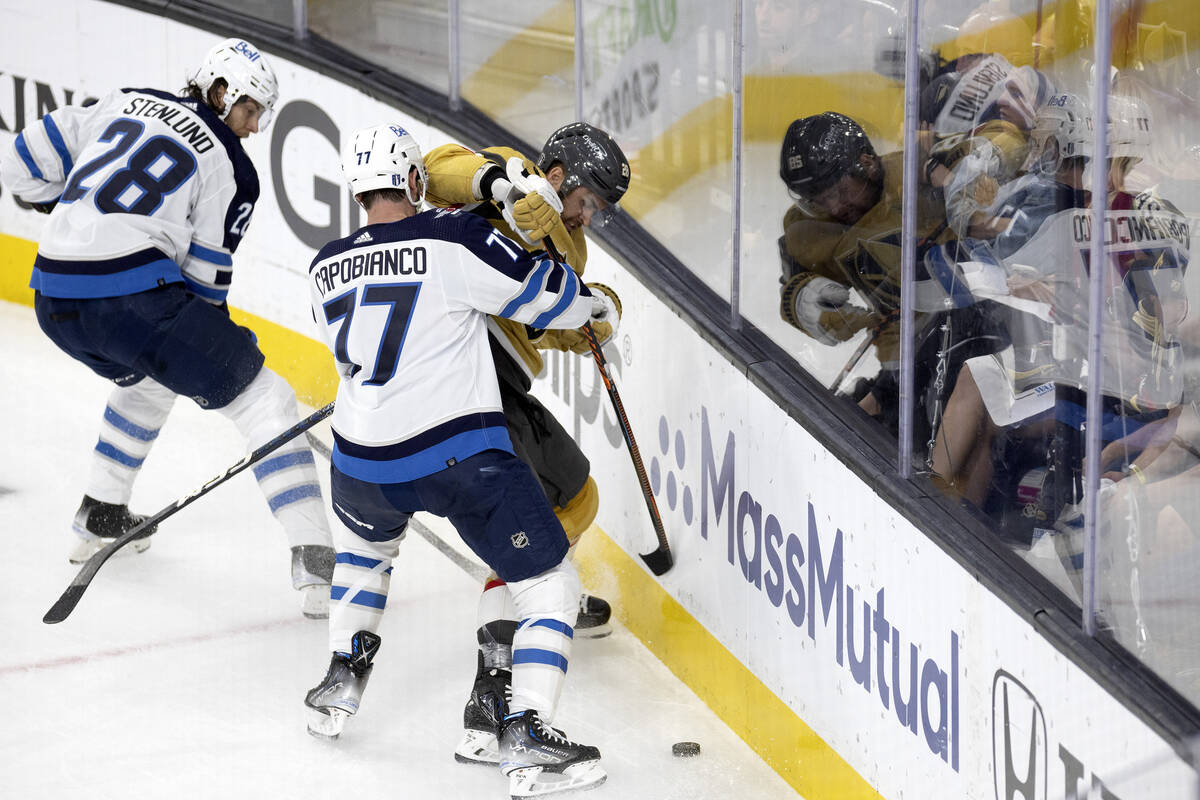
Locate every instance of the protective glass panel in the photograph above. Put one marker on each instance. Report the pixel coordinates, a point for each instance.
(407, 37)
(518, 64)
(278, 12)
(1148, 550)
(998, 284)
(656, 77)
(824, 107)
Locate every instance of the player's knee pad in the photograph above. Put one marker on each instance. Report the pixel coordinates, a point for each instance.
(264, 409)
(578, 515)
(554, 594)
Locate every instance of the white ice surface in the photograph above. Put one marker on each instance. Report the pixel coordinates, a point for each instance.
(182, 672)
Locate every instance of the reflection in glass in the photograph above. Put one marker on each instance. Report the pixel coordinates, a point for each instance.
(656, 76)
(278, 12)
(518, 63)
(407, 37)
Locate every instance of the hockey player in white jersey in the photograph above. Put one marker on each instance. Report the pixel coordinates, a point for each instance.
(419, 426)
(149, 195)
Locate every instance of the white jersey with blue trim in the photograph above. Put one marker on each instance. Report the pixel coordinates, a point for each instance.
(403, 306)
(151, 188)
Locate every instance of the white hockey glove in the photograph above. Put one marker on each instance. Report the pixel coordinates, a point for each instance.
(822, 309)
(605, 316)
(606, 311)
(529, 203)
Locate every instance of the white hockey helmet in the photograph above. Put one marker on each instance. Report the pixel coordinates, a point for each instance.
(246, 73)
(382, 158)
(1063, 129)
(1129, 127)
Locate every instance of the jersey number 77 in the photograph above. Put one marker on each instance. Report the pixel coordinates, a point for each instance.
(401, 298)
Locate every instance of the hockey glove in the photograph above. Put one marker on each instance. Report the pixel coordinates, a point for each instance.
(822, 309)
(606, 316)
(533, 207)
(606, 312)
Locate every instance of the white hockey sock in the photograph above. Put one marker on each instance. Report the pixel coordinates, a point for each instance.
(132, 419)
(361, 579)
(548, 605)
(288, 476)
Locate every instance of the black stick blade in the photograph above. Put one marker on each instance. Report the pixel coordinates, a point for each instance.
(63, 607)
(659, 561)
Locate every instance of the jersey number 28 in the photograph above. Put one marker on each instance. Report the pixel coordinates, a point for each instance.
(157, 168)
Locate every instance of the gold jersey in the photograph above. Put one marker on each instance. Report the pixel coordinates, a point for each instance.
(455, 173)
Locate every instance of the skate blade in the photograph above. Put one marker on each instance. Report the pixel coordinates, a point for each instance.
(538, 782)
(314, 601)
(477, 747)
(595, 632)
(86, 548)
(325, 723)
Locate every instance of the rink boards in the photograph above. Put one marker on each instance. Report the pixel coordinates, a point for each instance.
(853, 654)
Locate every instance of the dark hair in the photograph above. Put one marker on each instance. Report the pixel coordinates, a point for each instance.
(196, 93)
(369, 197)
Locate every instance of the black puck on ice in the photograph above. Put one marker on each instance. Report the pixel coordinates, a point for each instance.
(685, 749)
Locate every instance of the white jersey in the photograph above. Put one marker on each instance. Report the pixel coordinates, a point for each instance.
(151, 188)
(1145, 301)
(403, 306)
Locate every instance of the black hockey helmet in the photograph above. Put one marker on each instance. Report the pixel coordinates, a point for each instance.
(819, 150)
(590, 158)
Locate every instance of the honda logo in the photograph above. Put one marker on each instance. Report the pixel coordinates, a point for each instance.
(1019, 749)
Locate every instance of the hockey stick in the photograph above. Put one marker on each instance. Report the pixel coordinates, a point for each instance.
(65, 604)
(660, 560)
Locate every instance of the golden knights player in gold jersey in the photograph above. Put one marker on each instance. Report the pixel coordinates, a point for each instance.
(843, 233)
(574, 183)
(844, 230)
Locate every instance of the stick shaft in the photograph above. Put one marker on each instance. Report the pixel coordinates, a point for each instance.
(65, 604)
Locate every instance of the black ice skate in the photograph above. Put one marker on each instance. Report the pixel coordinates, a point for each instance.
(482, 716)
(312, 573)
(594, 614)
(539, 760)
(98, 524)
(338, 696)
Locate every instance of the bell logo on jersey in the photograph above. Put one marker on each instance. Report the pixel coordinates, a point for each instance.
(520, 540)
(396, 129)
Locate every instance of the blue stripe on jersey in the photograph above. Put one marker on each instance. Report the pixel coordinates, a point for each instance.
(131, 281)
(128, 428)
(533, 287)
(211, 256)
(553, 624)
(276, 463)
(363, 598)
(426, 462)
(534, 655)
(103, 266)
(294, 495)
(23, 152)
(421, 441)
(106, 449)
(207, 292)
(356, 560)
(570, 292)
(59, 144)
